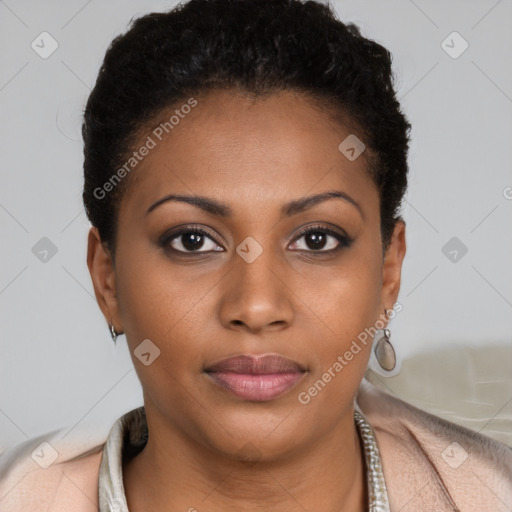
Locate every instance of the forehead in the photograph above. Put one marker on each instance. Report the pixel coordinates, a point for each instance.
(253, 151)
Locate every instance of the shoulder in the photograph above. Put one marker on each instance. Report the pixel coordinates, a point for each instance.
(51, 472)
(430, 461)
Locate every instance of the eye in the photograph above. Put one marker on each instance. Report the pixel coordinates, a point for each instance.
(321, 239)
(190, 240)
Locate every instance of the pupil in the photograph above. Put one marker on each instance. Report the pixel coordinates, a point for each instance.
(192, 241)
(317, 239)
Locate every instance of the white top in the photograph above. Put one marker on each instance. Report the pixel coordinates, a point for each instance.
(130, 433)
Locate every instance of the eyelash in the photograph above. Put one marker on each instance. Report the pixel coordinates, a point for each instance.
(343, 240)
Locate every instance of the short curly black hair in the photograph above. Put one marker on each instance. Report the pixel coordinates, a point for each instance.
(254, 46)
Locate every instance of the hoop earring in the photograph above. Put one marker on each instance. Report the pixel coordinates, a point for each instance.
(113, 332)
(384, 351)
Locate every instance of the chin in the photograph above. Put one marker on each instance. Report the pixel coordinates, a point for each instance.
(253, 439)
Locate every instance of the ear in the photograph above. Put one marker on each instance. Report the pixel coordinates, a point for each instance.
(392, 266)
(102, 270)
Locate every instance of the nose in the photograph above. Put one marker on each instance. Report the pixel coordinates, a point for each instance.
(256, 296)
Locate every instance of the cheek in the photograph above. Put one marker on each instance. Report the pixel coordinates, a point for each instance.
(350, 296)
(153, 295)
(159, 302)
(349, 308)
(156, 304)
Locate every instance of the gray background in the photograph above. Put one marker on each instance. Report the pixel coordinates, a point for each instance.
(58, 365)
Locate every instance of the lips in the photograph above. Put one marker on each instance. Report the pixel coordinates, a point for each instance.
(261, 365)
(256, 378)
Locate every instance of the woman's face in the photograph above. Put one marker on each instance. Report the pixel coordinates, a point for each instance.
(251, 283)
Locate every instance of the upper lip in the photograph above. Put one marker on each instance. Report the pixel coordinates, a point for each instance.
(258, 365)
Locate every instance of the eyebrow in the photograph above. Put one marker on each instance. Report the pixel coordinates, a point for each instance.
(291, 208)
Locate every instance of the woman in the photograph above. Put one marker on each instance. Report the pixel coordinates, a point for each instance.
(245, 163)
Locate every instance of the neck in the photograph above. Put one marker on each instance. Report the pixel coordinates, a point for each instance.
(173, 472)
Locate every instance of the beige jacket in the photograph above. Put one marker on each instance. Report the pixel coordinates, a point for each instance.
(429, 464)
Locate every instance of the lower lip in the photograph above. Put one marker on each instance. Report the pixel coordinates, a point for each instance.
(256, 387)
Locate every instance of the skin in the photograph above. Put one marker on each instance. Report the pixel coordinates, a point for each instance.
(209, 449)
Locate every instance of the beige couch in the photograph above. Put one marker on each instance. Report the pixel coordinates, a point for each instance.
(468, 386)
